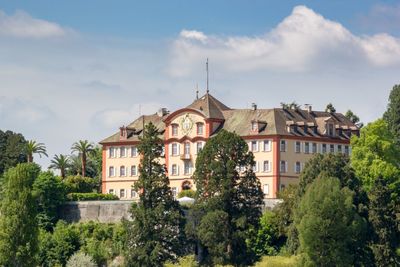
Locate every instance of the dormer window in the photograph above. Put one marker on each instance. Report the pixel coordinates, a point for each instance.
(254, 126)
(200, 128)
(174, 129)
(331, 129)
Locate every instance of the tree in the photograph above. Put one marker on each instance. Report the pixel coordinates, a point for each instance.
(80, 259)
(60, 162)
(18, 226)
(32, 147)
(83, 148)
(156, 233)
(292, 105)
(12, 150)
(375, 154)
(79, 184)
(231, 196)
(383, 220)
(354, 118)
(392, 114)
(326, 222)
(50, 194)
(330, 108)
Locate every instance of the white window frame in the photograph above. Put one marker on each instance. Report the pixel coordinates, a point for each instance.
(255, 166)
(133, 193)
(186, 148)
(133, 173)
(134, 151)
(267, 145)
(176, 152)
(339, 150)
(199, 147)
(306, 147)
(314, 148)
(268, 164)
(255, 148)
(111, 152)
(120, 171)
(324, 148)
(266, 189)
(111, 191)
(187, 168)
(111, 171)
(122, 152)
(297, 147)
(176, 171)
(174, 191)
(173, 128)
(200, 125)
(347, 150)
(330, 148)
(285, 166)
(297, 167)
(122, 193)
(284, 144)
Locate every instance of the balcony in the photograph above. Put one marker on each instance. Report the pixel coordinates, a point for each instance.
(186, 157)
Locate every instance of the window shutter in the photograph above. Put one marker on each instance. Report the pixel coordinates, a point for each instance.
(249, 144)
(286, 166)
(177, 169)
(170, 149)
(179, 148)
(269, 166)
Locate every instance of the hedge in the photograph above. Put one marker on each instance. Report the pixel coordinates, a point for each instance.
(90, 196)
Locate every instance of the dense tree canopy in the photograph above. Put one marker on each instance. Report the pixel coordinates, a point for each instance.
(156, 233)
(18, 225)
(392, 114)
(231, 197)
(326, 221)
(12, 150)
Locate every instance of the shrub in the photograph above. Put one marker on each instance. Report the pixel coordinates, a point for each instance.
(187, 193)
(80, 259)
(79, 184)
(187, 261)
(90, 196)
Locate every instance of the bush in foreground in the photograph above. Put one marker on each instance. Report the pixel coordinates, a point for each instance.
(90, 196)
(80, 259)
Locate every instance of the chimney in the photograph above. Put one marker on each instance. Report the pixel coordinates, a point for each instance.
(162, 112)
(308, 107)
(123, 133)
(253, 106)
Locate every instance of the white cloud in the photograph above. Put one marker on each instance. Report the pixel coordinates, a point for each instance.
(22, 25)
(302, 42)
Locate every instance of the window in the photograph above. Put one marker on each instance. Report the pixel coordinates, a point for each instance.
(254, 126)
(111, 171)
(174, 169)
(133, 170)
(187, 148)
(346, 150)
(186, 167)
(174, 128)
(331, 130)
(254, 146)
(297, 167)
(267, 145)
(339, 149)
(133, 193)
(283, 146)
(283, 167)
(199, 146)
(307, 147)
(111, 191)
(266, 189)
(314, 148)
(200, 127)
(174, 191)
(174, 149)
(298, 147)
(122, 193)
(122, 152)
(266, 166)
(122, 171)
(255, 167)
(111, 152)
(133, 151)
(332, 148)
(324, 148)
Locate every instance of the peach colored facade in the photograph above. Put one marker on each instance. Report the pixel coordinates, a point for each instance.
(279, 158)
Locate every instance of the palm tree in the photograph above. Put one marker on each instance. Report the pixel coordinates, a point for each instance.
(35, 148)
(60, 162)
(84, 148)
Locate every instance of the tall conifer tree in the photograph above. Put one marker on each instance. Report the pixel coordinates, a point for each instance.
(156, 233)
(230, 196)
(18, 226)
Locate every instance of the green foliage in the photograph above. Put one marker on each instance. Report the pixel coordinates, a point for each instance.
(18, 226)
(79, 184)
(383, 220)
(266, 240)
(84, 148)
(50, 194)
(32, 147)
(81, 259)
(326, 222)
(278, 261)
(60, 162)
(56, 248)
(354, 118)
(156, 233)
(187, 193)
(330, 108)
(292, 105)
(12, 150)
(90, 196)
(392, 114)
(187, 261)
(228, 201)
(376, 154)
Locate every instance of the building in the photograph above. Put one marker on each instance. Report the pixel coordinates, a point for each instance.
(282, 140)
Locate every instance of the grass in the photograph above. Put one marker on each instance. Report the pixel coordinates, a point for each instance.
(277, 261)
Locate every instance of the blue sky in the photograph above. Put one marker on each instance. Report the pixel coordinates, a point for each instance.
(73, 70)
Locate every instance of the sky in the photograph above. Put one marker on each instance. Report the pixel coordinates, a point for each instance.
(72, 70)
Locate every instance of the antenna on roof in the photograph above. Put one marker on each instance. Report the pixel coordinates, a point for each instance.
(207, 76)
(197, 91)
